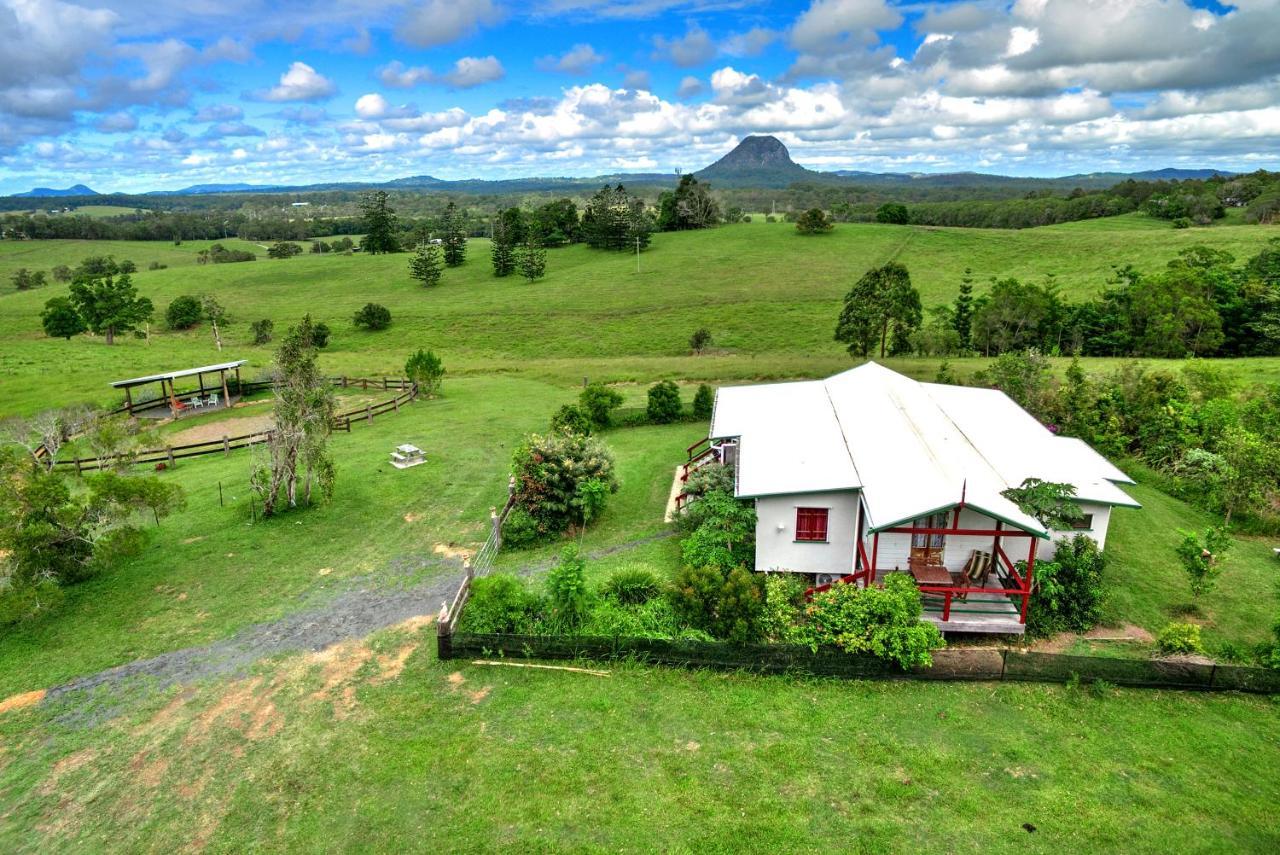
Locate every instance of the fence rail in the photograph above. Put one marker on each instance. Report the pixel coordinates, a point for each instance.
(227, 444)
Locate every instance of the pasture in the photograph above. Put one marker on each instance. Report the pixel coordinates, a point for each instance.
(373, 742)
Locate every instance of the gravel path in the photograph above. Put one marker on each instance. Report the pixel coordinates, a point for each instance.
(361, 609)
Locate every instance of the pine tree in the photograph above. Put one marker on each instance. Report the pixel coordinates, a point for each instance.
(502, 249)
(532, 261)
(964, 310)
(426, 265)
(455, 236)
(380, 224)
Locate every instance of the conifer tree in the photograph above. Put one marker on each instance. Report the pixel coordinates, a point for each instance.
(426, 265)
(502, 250)
(455, 236)
(532, 261)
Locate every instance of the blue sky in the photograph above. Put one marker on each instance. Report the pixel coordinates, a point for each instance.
(126, 95)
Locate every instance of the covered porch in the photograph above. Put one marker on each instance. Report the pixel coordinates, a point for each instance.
(964, 559)
(211, 391)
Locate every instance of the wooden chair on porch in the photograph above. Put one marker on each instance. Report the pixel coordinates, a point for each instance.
(975, 573)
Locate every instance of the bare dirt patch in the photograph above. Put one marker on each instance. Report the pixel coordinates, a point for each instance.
(213, 431)
(452, 551)
(19, 701)
(64, 767)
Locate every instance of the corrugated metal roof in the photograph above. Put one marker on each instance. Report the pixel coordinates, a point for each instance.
(185, 372)
(911, 447)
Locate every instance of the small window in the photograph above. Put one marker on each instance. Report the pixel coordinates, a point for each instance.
(1085, 523)
(811, 525)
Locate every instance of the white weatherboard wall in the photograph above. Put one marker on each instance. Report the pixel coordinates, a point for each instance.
(1101, 521)
(776, 546)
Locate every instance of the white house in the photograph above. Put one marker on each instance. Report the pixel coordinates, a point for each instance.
(869, 472)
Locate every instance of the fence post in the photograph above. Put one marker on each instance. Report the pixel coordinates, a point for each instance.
(496, 525)
(169, 451)
(364, 383)
(226, 446)
(384, 383)
(368, 412)
(396, 401)
(344, 381)
(511, 487)
(78, 472)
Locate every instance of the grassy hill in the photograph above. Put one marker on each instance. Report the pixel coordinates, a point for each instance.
(769, 296)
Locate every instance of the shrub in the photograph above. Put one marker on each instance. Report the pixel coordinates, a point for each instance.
(881, 621)
(156, 265)
(704, 479)
(1272, 657)
(1068, 590)
(664, 403)
(722, 531)
(373, 317)
(549, 472)
(262, 330)
(631, 586)
(520, 528)
(571, 419)
(814, 222)
(284, 249)
(700, 340)
(783, 604)
(728, 605)
(600, 401)
(704, 401)
(61, 273)
(1179, 638)
(655, 618)
(1203, 558)
(499, 603)
(892, 212)
(21, 601)
(427, 370)
(183, 313)
(320, 334)
(568, 596)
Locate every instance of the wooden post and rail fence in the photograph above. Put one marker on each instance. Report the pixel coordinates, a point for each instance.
(170, 454)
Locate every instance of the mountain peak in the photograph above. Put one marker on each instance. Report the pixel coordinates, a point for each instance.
(42, 192)
(757, 160)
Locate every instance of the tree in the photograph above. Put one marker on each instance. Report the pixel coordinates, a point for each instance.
(502, 248)
(455, 236)
(554, 223)
(532, 261)
(320, 334)
(962, 315)
(1251, 471)
(1026, 378)
(704, 401)
(1173, 315)
(380, 224)
(1052, 503)
(425, 369)
(893, 212)
(1203, 557)
(514, 224)
(303, 414)
(689, 206)
(108, 301)
(25, 280)
(700, 340)
(216, 314)
(183, 313)
(61, 273)
(426, 265)
(373, 317)
(615, 220)
(60, 319)
(814, 222)
(882, 306)
(284, 249)
(664, 403)
(600, 401)
(262, 330)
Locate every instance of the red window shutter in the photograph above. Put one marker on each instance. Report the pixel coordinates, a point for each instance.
(811, 524)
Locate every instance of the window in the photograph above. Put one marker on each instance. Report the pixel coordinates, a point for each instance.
(811, 525)
(1085, 523)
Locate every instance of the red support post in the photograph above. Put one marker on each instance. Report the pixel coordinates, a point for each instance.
(946, 607)
(875, 549)
(1026, 584)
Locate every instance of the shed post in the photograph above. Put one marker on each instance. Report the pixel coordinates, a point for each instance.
(226, 393)
(875, 549)
(238, 389)
(128, 400)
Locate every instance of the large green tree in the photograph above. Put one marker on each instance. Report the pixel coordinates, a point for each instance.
(689, 206)
(60, 319)
(455, 236)
(107, 300)
(381, 226)
(881, 310)
(502, 248)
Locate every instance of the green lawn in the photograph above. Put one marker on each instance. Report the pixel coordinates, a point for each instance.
(346, 751)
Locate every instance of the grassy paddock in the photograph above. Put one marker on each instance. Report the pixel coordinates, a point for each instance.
(375, 743)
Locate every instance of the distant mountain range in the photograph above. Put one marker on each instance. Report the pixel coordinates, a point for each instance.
(756, 162)
(46, 192)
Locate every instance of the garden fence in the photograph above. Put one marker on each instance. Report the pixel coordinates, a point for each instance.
(225, 445)
(960, 663)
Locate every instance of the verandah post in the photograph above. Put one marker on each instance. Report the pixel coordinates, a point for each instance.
(875, 550)
(1026, 582)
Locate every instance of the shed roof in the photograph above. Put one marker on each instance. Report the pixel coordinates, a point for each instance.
(910, 447)
(185, 372)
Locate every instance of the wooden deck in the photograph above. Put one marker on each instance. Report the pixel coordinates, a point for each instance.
(989, 613)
